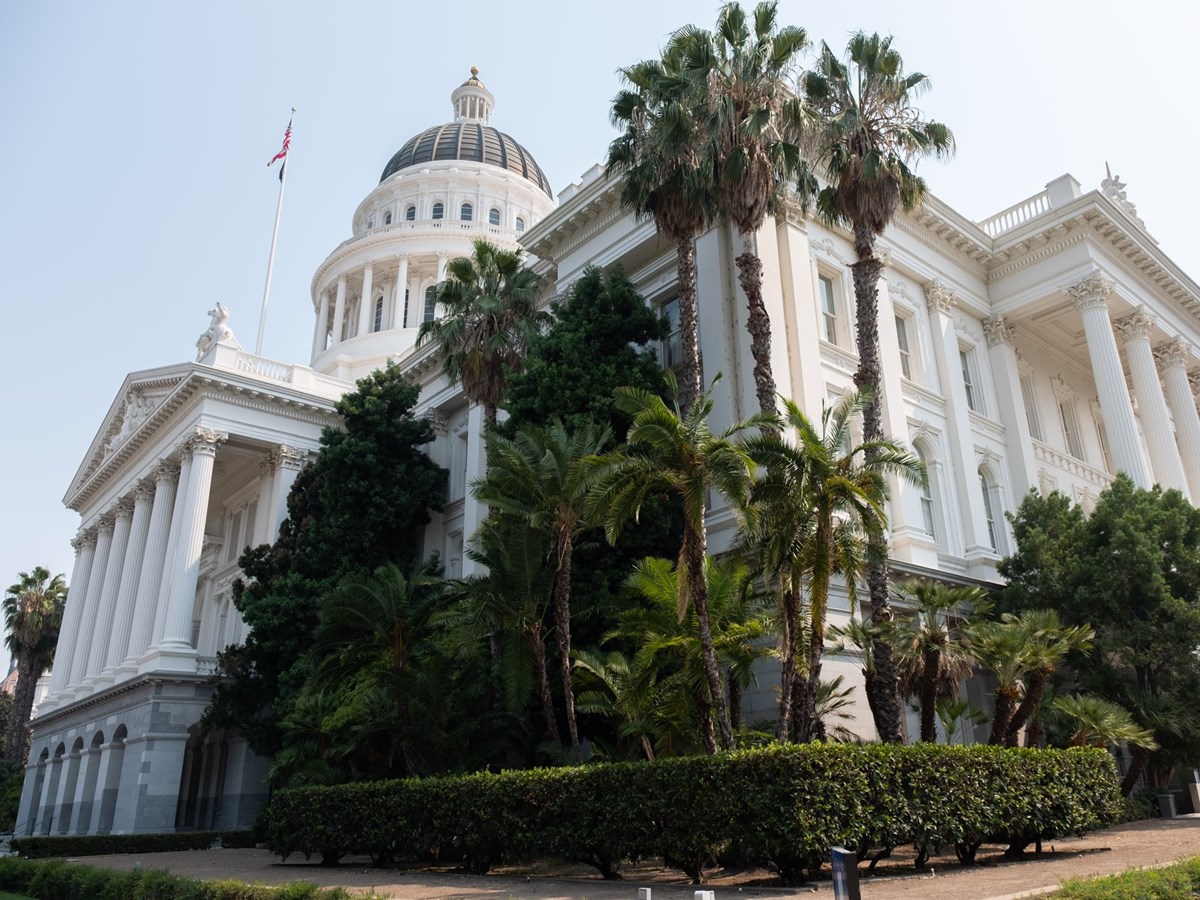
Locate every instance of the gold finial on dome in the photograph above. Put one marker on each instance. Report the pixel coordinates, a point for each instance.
(471, 100)
(475, 71)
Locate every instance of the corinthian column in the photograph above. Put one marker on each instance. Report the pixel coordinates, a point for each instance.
(91, 602)
(112, 585)
(1002, 355)
(1090, 297)
(1164, 455)
(193, 498)
(165, 478)
(1172, 360)
(135, 562)
(339, 312)
(321, 331)
(365, 306)
(85, 550)
(400, 314)
(287, 462)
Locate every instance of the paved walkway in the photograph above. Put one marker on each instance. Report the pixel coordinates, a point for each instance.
(1137, 845)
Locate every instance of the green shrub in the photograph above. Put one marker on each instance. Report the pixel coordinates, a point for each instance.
(57, 880)
(1178, 882)
(782, 807)
(59, 846)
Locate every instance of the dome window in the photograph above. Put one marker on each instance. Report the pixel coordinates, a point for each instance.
(410, 214)
(494, 216)
(439, 210)
(387, 219)
(370, 223)
(467, 212)
(520, 224)
(430, 303)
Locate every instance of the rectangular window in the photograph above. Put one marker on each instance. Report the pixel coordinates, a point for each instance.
(828, 309)
(1031, 413)
(430, 303)
(672, 347)
(988, 513)
(966, 359)
(404, 319)
(1102, 437)
(1070, 427)
(378, 324)
(902, 341)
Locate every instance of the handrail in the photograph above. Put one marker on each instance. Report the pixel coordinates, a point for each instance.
(1017, 214)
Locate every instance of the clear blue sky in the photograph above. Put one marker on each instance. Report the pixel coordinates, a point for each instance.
(134, 137)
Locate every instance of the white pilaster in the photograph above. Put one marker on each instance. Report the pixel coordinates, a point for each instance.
(85, 551)
(339, 312)
(443, 257)
(399, 313)
(135, 562)
(265, 530)
(1172, 359)
(112, 585)
(321, 330)
(193, 498)
(1090, 297)
(1002, 355)
(366, 308)
(91, 604)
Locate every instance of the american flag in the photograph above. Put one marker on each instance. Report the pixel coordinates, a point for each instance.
(283, 151)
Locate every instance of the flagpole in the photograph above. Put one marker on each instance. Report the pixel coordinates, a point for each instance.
(262, 316)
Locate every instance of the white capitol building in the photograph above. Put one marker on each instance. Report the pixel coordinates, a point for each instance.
(1049, 346)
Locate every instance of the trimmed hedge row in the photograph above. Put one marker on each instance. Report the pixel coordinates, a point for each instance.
(783, 807)
(58, 846)
(57, 880)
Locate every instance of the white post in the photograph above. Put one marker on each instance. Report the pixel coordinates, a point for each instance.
(262, 316)
(1090, 297)
(1172, 359)
(365, 306)
(339, 312)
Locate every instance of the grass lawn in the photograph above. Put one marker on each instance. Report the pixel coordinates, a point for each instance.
(4, 895)
(1178, 882)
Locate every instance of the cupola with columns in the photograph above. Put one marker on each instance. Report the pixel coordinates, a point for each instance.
(446, 187)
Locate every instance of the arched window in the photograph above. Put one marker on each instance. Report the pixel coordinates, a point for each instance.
(370, 223)
(387, 219)
(439, 210)
(494, 216)
(990, 506)
(466, 212)
(520, 224)
(926, 489)
(410, 214)
(377, 325)
(430, 302)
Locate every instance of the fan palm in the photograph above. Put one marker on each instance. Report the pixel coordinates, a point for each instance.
(669, 451)
(867, 136)
(933, 659)
(1099, 723)
(1049, 641)
(1001, 648)
(33, 611)
(809, 519)
(666, 175)
(491, 313)
(537, 475)
(742, 74)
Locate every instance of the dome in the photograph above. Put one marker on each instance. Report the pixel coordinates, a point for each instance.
(469, 138)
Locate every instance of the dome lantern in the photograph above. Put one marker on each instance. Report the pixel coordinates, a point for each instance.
(471, 100)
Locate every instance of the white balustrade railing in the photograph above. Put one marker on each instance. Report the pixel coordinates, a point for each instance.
(419, 227)
(264, 368)
(1047, 454)
(1019, 214)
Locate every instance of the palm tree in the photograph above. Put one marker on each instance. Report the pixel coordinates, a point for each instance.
(669, 451)
(1049, 641)
(1099, 723)
(33, 611)
(1001, 648)
(868, 134)
(932, 657)
(809, 519)
(665, 174)
(742, 75)
(491, 313)
(537, 476)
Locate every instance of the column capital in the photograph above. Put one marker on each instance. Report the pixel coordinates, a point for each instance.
(165, 471)
(203, 442)
(341, 280)
(290, 457)
(1194, 381)
(999, 330)
(106, 522)
(85, 537)
(437, 421)
(1171, 354)
(1135, 326)
(369, 266)
(402, 257)
(939, 298)
(144, 492)
(1091, 293)
(123, 508)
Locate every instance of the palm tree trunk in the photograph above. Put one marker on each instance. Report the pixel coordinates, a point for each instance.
(735, 702)
(562, 630)
(689, 388)
(1137, 764)
(790, 609)
(543, 678)
(814, 729)
(884, 694)
(489, 414)
(16, 738)
(929, 691)
(1006, 700)
(758, 322)
(694, 552)
(1035, 690)
(707, 735)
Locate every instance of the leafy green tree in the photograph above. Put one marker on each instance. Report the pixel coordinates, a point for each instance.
(539, 476)
(669, 451)
(742, 75)
(491, 309)
(868, 134)
(809, 519)
(666, 174)
(932, 656)
(361, 504)
(33, 611)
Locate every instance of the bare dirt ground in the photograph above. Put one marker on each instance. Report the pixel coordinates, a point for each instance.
(1140, 844)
